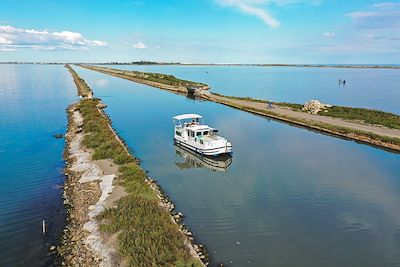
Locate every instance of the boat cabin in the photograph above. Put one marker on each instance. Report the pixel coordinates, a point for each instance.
(191, 132)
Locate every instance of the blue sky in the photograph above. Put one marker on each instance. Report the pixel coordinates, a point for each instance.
(201, 31)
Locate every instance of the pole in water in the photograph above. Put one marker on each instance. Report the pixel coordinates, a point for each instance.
(43, 226)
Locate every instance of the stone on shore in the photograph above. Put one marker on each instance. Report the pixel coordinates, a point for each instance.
(314, 106)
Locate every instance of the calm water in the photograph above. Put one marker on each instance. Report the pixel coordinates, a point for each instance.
(290, 197)
(369, 88)
(33, 100)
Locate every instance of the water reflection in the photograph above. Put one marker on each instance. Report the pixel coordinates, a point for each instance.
(188, 159)
(193, 96)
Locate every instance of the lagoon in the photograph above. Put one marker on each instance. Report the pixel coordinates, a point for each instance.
(33, 100)
(367, 88)
(290, 196)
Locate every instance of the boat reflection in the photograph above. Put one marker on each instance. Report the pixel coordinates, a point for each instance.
(193, 160)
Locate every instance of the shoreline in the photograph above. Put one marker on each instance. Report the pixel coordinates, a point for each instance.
(358, 136)
(356, 66)
(125, 75)
(343, 66)
(375, 135)
(94, 188)
(361, 135)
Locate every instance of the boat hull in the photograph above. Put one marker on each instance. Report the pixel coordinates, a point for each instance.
(227, 149)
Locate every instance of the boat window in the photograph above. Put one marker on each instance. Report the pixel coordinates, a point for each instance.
(198, 134)
(178, 133)
(190, 133)
(205, 133)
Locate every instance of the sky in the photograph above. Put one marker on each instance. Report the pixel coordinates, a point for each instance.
(201, 31)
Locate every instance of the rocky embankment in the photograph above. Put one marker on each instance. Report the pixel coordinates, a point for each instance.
(81, 86)
(95, 185)
(85, 192)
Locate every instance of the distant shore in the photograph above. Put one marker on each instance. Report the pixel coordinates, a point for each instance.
(345, 66)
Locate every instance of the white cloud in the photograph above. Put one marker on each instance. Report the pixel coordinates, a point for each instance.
(386, 5)
(35, 39)
(252, 7)
(329, 34)
(380, 16)
(98, 43)
(4, 40)
(139, 45)
(362, 15)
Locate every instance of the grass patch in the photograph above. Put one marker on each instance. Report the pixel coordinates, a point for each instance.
(294, 106)
(387, 119)
(246, 98)
(333, 128)
(150, 76)
(146, 234)
(375, 117)
(257, 100)
(83, 89)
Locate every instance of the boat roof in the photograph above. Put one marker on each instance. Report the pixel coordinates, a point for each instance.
(187, 116)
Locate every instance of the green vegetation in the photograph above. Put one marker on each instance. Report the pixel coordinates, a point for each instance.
(149, 76)
(367, 115)
(146, 234)
(83, 89)
(250, 99)
(328, 127)
(294, 106)
(376, 117)
(161, 78)
(246, 98)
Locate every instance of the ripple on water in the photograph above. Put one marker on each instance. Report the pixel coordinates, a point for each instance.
(33, 102)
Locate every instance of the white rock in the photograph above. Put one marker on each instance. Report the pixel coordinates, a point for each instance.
(314, 106)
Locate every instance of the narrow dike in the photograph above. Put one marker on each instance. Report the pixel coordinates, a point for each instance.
(366, 137)
(116, 214)
(162, 81)
(351, 129)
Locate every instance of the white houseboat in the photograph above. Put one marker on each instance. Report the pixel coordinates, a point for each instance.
(191, 132)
